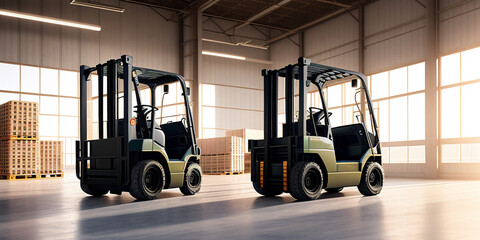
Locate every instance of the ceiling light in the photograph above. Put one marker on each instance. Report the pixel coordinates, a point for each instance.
(223, 55)
(98, 6)
(44, 19)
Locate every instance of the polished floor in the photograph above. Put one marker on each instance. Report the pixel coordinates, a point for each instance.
(228, 208)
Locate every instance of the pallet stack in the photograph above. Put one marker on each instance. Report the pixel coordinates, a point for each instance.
(18, 140)
(246, 134)
(222, 155)
(51, 158)
(20, 156)
(248, 162)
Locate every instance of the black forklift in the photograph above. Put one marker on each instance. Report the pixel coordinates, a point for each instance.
(136, 153)
(312, 155)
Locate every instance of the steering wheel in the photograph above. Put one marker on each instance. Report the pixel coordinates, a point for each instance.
(146, 110)
(319, 114)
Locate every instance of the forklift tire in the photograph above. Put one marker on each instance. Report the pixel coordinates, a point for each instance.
(334, 190)
(266, 192)
(306, 181)
(193, 180)
(371, 182)
(147, 181)
(92, 190)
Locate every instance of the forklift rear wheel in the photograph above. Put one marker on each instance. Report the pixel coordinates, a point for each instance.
(92, 190)
(266, 192)
(371, 182)
(306, 181)
(193, 180)
(148, 180)
(334, 190)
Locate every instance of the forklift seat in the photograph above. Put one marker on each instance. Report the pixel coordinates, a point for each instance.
(322, 130)
(178, 142)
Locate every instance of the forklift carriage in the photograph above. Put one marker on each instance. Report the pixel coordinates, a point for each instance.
(137, 154)
(312, 155)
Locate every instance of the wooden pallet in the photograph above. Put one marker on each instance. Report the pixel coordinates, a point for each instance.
(18, 158)
(246, 134)
(19, 120)
(30, 177)
(221, 145)
(222, 163)
(248, 163)
(50, 157)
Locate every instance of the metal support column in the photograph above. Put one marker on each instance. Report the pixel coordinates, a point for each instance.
(301, 44)
(197, 66)
(431, 141)
(361, 56)
(181, 46)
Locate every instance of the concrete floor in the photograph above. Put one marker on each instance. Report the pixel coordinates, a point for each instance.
(228, 208)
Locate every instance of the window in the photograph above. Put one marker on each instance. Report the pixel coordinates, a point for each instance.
(58, 118)
(69, 83)
(450, 69)
(49, 81)
(10, 79)
(398, 81)
(30, 79)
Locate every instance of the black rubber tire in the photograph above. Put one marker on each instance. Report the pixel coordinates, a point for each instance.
(147, 180)
(371, 185)
(306, 181)
(92, 190)
(192, 181)
(266, 192)
(334, 190)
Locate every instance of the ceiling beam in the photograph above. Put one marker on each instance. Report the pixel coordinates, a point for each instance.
(154, 5)
(335, 3)
(307, 25)
(207, 4)
(262, 13)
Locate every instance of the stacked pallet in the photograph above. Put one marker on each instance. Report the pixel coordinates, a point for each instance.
(246, 134)
(248, 162)
(222, 155)
(18, 140)
(22, 156)
(19, 121)
(51, 158)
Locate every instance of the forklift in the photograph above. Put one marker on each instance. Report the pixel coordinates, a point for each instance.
(312, 155)
(137, 154)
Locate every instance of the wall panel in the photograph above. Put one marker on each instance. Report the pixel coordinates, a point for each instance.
(139, 31)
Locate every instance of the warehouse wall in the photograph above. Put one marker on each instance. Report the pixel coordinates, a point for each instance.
(232, 90)
(139, 32)
(394, 35)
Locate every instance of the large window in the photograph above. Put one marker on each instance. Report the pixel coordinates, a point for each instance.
(458, 100)
(399, 99)
(56, 91)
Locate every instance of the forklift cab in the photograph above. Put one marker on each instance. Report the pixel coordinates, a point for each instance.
(142, 150)
(311, 154)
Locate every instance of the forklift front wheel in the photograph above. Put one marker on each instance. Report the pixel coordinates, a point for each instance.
(266, 192)
(371, 182)
(193, 180)
(92, 190)
(306, 181)
(148, 180)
